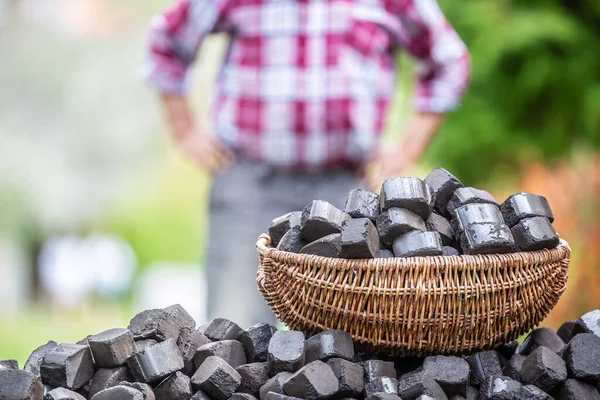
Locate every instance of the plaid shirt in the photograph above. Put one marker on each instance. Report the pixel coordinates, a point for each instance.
(306, 83)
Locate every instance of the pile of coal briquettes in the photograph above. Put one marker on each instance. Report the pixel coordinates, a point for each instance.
(413, 217)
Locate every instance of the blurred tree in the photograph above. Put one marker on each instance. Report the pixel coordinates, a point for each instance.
(535, 90)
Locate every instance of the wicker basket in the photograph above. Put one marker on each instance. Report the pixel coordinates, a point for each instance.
(415, 306)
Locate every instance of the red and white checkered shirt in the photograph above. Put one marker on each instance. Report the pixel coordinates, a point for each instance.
(306, 83)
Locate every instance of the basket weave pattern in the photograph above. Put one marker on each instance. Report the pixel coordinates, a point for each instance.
(415, 306)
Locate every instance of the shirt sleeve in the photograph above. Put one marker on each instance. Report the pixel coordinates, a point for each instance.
(174, 39)
(444, 64)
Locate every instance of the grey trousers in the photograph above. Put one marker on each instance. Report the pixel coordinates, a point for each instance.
(243, 202)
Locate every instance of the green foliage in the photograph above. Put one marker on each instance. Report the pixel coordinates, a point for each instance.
(156, 231)
(166, 221)
(535, 87)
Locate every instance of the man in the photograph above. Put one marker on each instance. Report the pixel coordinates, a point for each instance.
(299, 107)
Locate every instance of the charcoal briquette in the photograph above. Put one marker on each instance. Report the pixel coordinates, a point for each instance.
(359, 239)
(144, 388)
(513, 368)
(156, 324)
(588, 323)
(143, 344)
(176, 387)
(254, 376)
(108, 377)
(111, 348)
(350, 377)
(281, 225)
(542, 337)
(398, 221)
(582, 356)
(328, 246)
(329, 344)
(222, 329)
(378, 368)
(16, 384)
(320, 218)
(414, 384)
(216, 378)
(534, 233)
(34, 361)
(441, 225)
(483, 365)
(573, 389)
(314, 381)
(286, 352)
(544, 369)
(119, 393)
(565, 331)
(469, 195)
(500, 388)
(200, 395)
(274, 385)
(255, 340)
(242, 396)
(531, 392)
(68, 365)
(231, 351)
(85, 340)
(383, 384)
(417, 243)
(382, 396)
(478, 213)
(451, 373)
(292, 241)
(9, 364)
(179, 314)
(507, 350)
(410, 193)
(442, 184)
(504, 388)
(189, 341)
(487, 238)
(156, 362)
(362, 204)
(525, 205)
(63, 394)
(278, 396)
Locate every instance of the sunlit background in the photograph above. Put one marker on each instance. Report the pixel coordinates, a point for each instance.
(100, 217)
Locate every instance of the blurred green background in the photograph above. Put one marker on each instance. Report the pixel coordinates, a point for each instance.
(84, 151)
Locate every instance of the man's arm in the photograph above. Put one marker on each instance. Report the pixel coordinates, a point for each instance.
(175, 37)
(204, 149)
(443, 75)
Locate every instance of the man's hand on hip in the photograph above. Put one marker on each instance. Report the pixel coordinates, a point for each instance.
(206, 151)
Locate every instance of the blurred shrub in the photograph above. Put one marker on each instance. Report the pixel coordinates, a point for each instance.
(535, 90)
(165, 219)
(572, 189)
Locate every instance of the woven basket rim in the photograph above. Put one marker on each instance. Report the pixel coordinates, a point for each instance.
(480, 261)
(415, 306)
